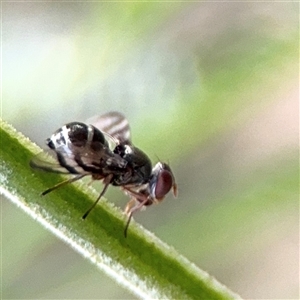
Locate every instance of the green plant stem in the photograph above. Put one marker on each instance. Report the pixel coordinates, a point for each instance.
(141, 262)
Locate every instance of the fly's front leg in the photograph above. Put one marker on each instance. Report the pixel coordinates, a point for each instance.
(137, 201)
(130, 205)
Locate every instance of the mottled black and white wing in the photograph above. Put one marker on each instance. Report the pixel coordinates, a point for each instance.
(80, 149)
(46, 161)
(114, 124)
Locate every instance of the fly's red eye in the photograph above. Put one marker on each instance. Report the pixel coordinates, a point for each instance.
(163, 185)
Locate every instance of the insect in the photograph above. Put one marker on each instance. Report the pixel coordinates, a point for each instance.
(103, 150)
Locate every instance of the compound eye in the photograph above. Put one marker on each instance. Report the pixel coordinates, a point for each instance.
(163, 185)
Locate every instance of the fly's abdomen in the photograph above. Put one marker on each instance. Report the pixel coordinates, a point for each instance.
(76, 134)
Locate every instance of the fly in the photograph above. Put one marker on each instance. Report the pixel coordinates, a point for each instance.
(103, 150)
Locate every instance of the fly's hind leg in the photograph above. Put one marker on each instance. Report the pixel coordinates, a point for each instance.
(62, 184)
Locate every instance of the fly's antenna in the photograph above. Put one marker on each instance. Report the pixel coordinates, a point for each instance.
(157, 158)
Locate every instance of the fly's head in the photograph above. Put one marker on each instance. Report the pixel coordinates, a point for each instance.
(162, 181)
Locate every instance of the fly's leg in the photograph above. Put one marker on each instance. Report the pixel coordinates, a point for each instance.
(106, 182)
(135, 204)
(62, 184)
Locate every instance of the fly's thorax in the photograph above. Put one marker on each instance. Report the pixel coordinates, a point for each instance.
(138, 169)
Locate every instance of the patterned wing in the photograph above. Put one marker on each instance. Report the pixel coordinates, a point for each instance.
(114, 124)
(81, 149)
(45, 161)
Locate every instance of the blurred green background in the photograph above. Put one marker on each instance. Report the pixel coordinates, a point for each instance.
(212, 88)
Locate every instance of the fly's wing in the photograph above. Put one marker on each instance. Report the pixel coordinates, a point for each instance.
(46, 162)
(80, 149)
(62, 160)
(113, 124)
